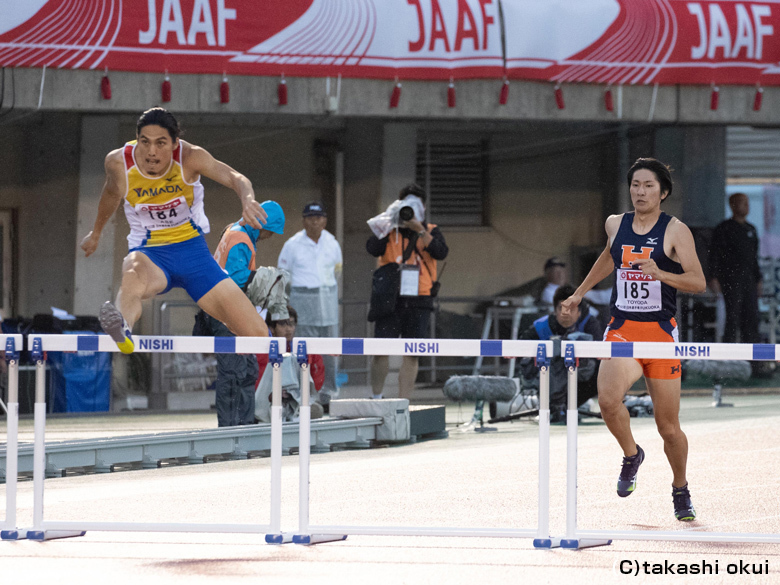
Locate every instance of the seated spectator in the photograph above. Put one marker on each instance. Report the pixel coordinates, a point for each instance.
(563, 324)
(291, 394)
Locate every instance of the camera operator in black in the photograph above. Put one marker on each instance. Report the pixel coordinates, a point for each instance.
(412, 316)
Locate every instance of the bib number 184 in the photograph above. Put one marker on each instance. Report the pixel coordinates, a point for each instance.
(162, 214)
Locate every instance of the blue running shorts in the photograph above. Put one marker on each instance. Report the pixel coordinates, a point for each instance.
(188, 265)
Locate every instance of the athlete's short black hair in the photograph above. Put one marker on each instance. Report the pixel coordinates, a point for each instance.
(412, 189)
(159, 117)
(661, 171)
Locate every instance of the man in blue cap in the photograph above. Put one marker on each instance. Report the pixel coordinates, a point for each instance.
(237, 373)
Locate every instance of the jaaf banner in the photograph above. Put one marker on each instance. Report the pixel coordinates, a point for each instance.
(597, 41)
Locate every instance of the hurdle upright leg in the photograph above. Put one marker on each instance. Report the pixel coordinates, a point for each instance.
(11, 532)
(543, 538)
(38, 531)
(304, 535)
(275, 534)
(572, 421)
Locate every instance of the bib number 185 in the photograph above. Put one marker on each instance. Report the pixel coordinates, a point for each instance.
(636, 290)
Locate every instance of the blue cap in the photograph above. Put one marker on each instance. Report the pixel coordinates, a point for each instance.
(275, 221)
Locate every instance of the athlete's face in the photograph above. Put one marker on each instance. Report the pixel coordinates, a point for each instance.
(646, 191)
(155, 150)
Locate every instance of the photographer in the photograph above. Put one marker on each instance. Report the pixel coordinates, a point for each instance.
(403, 238)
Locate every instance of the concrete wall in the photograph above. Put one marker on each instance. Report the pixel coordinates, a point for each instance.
(39, 177)
(363, 165)
(698, 156)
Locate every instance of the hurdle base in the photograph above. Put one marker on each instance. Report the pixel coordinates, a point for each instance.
(547, 542)
(578, 543)
(41, 535)
(308, 539)
(281, 538)
(15, 534)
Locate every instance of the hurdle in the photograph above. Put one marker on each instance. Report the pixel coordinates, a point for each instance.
(39, 344)
(311, 534)
(8, 528)
(576, 538)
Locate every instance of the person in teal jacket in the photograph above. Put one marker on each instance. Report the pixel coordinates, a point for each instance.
(237, 373)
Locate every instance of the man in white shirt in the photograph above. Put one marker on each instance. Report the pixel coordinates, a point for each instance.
(313, 259)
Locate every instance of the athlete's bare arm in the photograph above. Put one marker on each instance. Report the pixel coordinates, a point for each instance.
(678, 246)
(110, 198)
(601, 269)
(199, 162)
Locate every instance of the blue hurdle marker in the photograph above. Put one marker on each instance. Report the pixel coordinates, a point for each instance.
(39, 344)
(8, 528)
(575, 538)
(311, 534)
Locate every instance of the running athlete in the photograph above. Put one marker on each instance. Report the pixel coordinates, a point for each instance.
(653, 256)
(158, 178)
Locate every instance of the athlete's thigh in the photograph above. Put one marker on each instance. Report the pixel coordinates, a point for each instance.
(616, 376)
(152, 277)
(666, 400)
(226, 302)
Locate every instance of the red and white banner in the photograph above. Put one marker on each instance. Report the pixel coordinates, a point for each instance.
(600, 41)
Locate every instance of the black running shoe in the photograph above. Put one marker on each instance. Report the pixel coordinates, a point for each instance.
(627, 481)
(683, 508)
(114, 324)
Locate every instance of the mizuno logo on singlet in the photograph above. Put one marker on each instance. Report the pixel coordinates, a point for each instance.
(652, 241)
(630, 256)
(152, 192)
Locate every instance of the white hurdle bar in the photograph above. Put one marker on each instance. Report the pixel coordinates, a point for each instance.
(571, 350)
(11, 346)
(542, 350)
(39, 344)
